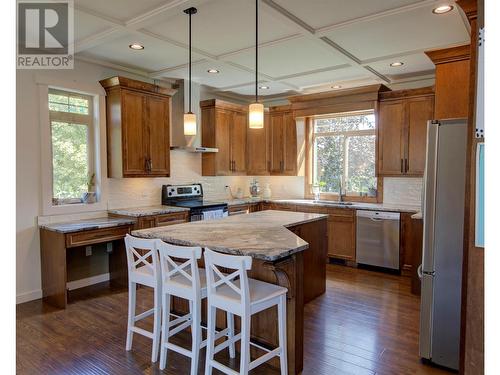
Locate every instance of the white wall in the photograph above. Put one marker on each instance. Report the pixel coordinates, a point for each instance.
(185, 167)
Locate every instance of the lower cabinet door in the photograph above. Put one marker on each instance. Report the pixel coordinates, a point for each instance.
(342, 237)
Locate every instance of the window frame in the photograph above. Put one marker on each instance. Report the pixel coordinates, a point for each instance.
(311, 136)
(80, 119)
(98, 115)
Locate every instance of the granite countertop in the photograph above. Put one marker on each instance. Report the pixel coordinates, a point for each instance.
(244, 200)
(88, 224)
(354, 205)
(261, 235)
(147, 211)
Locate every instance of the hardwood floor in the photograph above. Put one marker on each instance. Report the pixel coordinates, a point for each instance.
(366, 323)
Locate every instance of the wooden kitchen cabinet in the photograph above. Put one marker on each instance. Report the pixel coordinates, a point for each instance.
(283, 142)
(239, 209)
(224, 126)
(342, 234)
(402, 131)
(161, 220)
(137, 128)
(258, 147)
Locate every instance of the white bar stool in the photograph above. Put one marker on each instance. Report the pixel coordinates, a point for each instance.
(144, 269)
(182, 278)
(244, 297)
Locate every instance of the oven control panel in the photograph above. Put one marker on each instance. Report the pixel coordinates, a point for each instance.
(182, 191)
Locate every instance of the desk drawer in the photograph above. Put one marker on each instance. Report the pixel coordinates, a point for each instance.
(96, 236)
(171, 219)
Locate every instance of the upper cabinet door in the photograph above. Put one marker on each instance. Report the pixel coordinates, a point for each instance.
(157, 128)
(134, 142)
(258, 149)
(238, 143)
(290, 145)
(391, 122)
(223, 122)
(419, 111)
(277, 144)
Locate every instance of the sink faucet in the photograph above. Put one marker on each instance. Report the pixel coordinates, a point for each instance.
(340, 190)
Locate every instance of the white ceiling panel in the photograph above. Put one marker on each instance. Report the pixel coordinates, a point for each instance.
(156, 54)
(87, 25)
(122, 10)
(274, 88)
(227, 76)
(412, 64)
(399, 33)
(331, 76)
(290, 57)
(321, 13)
(222, 26)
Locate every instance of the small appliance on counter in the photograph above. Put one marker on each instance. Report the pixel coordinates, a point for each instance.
(191, 196)
(254, 188)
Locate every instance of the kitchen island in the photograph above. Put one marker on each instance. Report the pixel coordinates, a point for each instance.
(288, 249)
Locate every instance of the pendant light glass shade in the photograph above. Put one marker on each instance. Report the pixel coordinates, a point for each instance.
(189, 117)
(256, 116)
(189, 124)
(256, 109)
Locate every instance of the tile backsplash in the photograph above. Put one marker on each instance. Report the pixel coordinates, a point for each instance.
(186, 168)
(403, 190)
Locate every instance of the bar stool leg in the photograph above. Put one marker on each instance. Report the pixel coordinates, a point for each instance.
(210, 340)
(165, 321)
(131, 314)
(156, 324)
(196, 335)
(245, 344)
(282, 334)
(230, 326)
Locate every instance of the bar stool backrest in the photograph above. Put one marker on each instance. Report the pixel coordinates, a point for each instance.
(141, 252)
(179, 267)
(217, 279)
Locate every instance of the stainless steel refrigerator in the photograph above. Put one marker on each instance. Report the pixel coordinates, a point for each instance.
(443, 214)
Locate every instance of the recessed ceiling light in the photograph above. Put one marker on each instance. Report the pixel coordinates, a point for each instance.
(397, 63)
(136, 46)
(264, 87)
(336, 87)
(213, 71)
(442, 9)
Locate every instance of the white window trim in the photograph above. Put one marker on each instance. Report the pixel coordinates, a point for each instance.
(347, 134)
(99, 123)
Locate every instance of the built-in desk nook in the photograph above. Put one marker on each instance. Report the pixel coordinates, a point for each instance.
(57, 239)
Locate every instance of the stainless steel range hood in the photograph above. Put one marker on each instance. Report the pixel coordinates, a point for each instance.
(179, 106)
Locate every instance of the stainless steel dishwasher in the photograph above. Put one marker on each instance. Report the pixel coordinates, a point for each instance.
(377, 238)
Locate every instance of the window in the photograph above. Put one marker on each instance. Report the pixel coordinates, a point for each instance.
(72, 147)
(343, 154)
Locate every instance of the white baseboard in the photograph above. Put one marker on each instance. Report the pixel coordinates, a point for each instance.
(72, 285)
(28, 296)
(77, 284)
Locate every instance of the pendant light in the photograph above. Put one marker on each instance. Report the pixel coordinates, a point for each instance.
(190, 117)
(256, 109)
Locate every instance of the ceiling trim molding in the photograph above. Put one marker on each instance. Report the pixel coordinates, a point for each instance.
(374, 16)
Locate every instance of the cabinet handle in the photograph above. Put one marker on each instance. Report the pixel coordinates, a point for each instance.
(402, 166)
(407, 165)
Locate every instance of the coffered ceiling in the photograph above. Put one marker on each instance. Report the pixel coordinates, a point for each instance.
(305, 46)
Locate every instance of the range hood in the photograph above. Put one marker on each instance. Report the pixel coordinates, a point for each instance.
(178, 140)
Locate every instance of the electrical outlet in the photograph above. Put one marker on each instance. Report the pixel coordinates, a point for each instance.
(88, 251)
